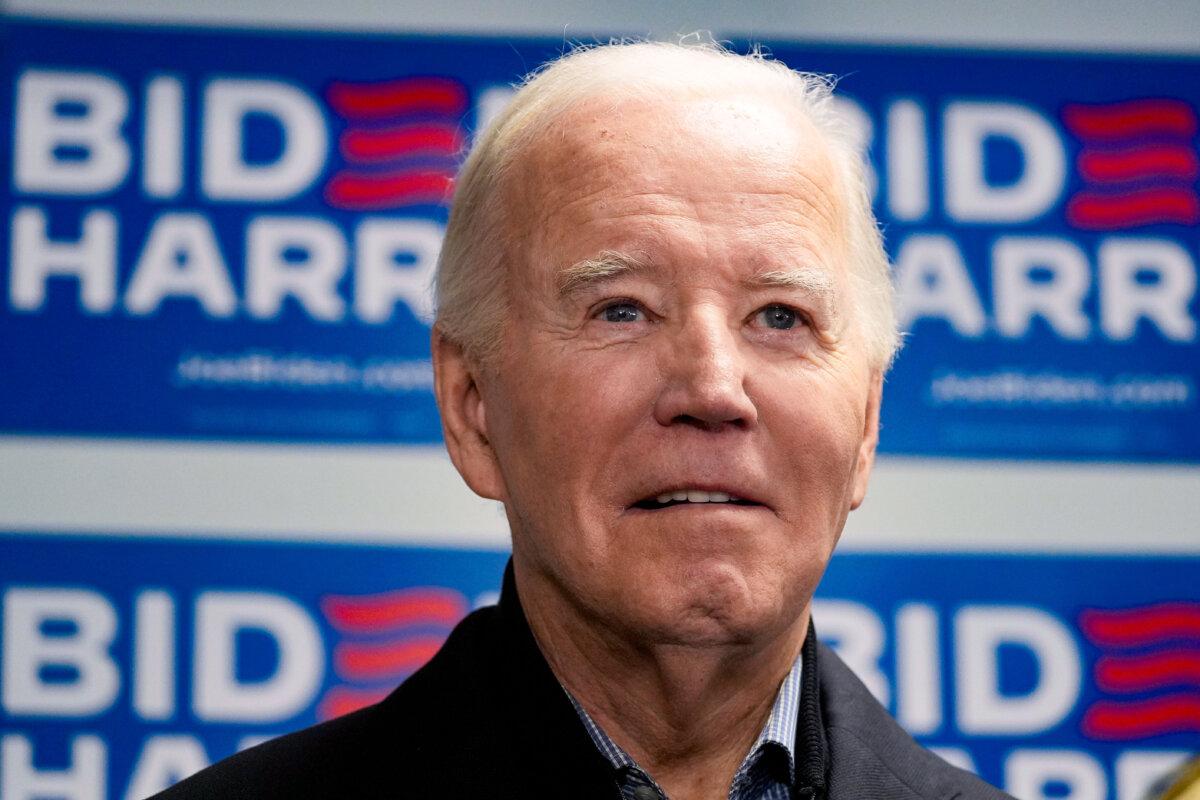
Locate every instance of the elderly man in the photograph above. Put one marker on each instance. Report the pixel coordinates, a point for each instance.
(664, 320)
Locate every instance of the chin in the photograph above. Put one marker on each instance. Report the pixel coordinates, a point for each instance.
(706, 608)
(703, 626)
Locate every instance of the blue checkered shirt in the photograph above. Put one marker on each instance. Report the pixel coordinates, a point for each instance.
(767, 772)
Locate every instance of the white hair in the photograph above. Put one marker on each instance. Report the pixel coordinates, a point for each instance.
(472, 269)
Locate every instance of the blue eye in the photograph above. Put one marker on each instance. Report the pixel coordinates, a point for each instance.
(622, 312)
(780, 318)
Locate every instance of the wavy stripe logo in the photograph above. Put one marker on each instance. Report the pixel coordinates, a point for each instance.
(1138, 164)
(400, 145)
(1148, 671)
(384, 638)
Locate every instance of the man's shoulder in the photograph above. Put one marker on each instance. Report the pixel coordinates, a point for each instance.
(319, 761)
(484, 718)
(870, 755)
(371, 752)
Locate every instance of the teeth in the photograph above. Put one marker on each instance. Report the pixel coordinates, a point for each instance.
(694, 496)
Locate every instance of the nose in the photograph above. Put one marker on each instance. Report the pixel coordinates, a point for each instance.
(705, 374)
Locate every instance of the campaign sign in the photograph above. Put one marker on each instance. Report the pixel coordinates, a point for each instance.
(1041, 213)
(128, 664)
(230, 235)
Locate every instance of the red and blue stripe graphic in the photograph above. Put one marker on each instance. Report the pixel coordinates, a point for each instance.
(1138, 164)
(401, 144)
(385, 638)
(1149, 668)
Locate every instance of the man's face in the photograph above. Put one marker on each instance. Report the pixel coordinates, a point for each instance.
(680, 325)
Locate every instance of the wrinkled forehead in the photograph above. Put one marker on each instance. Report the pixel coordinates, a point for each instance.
(606, 149)
(602, 124)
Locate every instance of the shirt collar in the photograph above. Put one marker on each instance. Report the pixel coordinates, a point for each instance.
(778, 732)
(780, 728)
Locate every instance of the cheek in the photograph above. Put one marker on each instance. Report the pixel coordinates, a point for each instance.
(578, 388)
(566, 413)
(818, 425)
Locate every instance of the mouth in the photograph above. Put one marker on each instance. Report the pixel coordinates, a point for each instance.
(692, 497)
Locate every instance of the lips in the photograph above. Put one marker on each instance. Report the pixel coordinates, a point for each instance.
(693, 496)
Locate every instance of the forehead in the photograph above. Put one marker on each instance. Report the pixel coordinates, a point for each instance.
(610, 173)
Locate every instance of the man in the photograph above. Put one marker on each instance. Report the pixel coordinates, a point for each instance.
(664, 320)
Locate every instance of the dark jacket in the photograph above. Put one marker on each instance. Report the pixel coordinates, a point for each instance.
(486, 718)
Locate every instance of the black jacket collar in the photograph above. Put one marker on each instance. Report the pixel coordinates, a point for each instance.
(487, 718)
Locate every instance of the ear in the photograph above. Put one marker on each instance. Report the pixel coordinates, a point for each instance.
(464, 418)
(870, 439)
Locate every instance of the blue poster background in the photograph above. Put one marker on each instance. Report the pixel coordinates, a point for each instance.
(992, 392)
(970, 381)
(117, 571)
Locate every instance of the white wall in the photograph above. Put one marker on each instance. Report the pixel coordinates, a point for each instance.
(1110, 25)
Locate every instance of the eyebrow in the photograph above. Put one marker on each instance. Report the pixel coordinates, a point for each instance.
(815, 282)
(604, 266)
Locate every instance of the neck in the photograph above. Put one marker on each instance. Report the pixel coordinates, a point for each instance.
(687, 714)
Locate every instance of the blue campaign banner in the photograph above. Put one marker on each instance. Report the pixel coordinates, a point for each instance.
(1041, 213)
(128, 663)
(229, 235)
